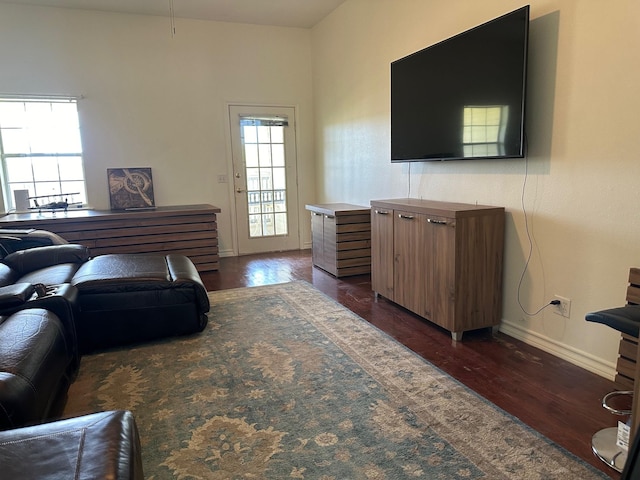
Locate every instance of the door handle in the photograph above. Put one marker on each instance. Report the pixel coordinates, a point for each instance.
(406, 217)
(436, 222)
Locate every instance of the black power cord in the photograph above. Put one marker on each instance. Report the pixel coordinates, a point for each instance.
(526, 226)
(552, 302)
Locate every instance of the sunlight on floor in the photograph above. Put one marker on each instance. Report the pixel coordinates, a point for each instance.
(267, 273)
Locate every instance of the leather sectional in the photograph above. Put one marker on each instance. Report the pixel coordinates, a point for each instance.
(121, 298)
(57, 303)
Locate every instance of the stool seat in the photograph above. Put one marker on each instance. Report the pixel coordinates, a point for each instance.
(624, 319)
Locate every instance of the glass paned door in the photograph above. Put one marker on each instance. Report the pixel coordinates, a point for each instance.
(263, 144)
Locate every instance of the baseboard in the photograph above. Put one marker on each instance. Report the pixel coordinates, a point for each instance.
(227, 253)
(231, 253)
(572, 355)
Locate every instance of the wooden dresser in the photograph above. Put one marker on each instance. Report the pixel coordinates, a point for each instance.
(189, 230)
(440, 260)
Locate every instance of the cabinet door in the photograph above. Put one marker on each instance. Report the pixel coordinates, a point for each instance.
(441, 285)
(382, 252)
(412, 249)
(317, 239)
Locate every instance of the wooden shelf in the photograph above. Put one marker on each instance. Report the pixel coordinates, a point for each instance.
(189, 230)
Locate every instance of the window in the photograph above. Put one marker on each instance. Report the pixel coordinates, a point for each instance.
(484, 130)
(41, 150)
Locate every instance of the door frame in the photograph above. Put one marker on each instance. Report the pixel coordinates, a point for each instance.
(230, 168)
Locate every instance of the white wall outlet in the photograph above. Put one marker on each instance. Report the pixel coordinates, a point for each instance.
(564, 308)
(222, 179)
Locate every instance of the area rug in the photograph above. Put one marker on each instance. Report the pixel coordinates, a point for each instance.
(286, 383)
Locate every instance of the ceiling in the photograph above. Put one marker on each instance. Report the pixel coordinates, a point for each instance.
(285, 13)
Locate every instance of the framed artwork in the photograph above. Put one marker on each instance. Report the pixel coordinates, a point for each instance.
(130, 188)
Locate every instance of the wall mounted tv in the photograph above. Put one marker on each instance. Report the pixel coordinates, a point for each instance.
(463, 98)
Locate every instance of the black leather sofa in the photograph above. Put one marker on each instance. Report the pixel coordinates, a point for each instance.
(12, 240)
(38, 361)
(56, 303)
(37, 365)
(116, 299)
(103, 445)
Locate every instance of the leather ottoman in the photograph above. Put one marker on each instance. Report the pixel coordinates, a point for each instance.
(124, 299)
(102, 445)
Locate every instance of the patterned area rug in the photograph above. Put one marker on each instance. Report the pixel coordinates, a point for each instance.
(286, 383)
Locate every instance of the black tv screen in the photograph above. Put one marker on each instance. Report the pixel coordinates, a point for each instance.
(464, 97)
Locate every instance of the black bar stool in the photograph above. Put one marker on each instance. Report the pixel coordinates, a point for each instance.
(603, 443)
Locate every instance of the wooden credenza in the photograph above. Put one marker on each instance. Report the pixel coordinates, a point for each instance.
(441, 260)
(341, 236)
(189, 230)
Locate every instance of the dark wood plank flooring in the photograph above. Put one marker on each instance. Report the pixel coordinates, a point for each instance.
(554, 397)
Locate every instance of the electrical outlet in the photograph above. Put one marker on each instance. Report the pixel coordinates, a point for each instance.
(222, 179)
(564, 308)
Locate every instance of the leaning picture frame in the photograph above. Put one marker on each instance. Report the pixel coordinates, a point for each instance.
(131, 188)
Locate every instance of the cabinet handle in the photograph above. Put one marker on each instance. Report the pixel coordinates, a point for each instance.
(381, 212)
(329, 216)
(436, 222)
(406, 217)
(317, 214)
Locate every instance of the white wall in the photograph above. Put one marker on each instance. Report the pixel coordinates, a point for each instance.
(152, 100)
(581, 196)
(161, 102)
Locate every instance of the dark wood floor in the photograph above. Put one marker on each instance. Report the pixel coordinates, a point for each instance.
(552, 396)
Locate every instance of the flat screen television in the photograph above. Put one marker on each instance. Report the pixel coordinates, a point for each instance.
(463, 98)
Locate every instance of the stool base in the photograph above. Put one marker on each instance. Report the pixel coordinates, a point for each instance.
(603, 444)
